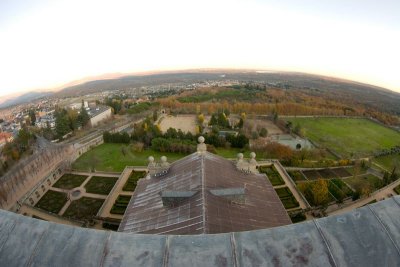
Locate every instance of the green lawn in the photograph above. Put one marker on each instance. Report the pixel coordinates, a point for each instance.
(110, 157)
(348, 136)
(83, 208)
(388, 162)
(369, 180)
(100, 185)
(131, 183)
(52, 201)
(69, 181)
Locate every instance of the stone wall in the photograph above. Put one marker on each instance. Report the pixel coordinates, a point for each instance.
(30, 171)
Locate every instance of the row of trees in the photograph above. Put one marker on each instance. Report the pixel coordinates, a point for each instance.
(173, 145)
(123, 138)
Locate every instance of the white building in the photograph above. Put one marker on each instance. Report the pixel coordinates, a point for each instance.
(79, 105)
(98, 114)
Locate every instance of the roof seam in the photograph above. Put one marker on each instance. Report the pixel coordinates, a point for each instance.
(233, 244)
(325, 242)
(203, 194)
(105, 251)
(29, 263)
(8, 234)
(384, 228)
(166, 251)
(396, 201)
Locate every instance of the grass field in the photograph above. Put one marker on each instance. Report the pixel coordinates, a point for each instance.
(109, 157)
(69, 181)
(348, 136)
(83, 208)
(52, 201)
(369, 180)
(388, 162)
(100, 185)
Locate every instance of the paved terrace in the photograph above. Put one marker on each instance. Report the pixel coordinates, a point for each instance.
(369, 236)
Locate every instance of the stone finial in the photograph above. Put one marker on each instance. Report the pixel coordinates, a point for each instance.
(240, 156)
(253, 163)
(201, 139)
(240, 164)
(152, 163)
(201, 147)
(164, 162)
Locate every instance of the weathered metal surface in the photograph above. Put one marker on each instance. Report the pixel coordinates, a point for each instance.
(218, 199)
(368, 236)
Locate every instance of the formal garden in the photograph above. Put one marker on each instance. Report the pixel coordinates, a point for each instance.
(84, 208)
(52, 201)
(100, 185)
(120, 205)
(272, 174)
(287, 198)
(70, 181)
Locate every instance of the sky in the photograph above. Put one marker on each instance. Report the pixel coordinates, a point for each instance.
(45, 44)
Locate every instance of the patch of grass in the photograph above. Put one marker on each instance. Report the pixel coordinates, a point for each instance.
(52, 201)
(69, 181)
(283, 192)
(131, 183)
(83, 208)
(110, 157)
(369, 181)
(388, 162)
(342, 186)
(287, 198)
(296, 176)
(120, 205)
(347, 136)
(100, 185)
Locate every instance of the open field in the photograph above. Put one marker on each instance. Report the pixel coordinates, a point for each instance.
(109, 157)
(368, 181)
(267, 124)
(83, 208)
(52, 201)
(348, 136)
(100, 185)
(389, 161)
(186, 123)
(70, 181)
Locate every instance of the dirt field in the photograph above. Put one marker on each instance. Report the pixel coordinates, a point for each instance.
(269, 125)
(187, 123)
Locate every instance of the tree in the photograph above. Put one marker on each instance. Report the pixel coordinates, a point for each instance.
(263, 132)
(32, 116)
(320, 192)
(83, 115)
(62, 125)
(200, 119)
(155, 115)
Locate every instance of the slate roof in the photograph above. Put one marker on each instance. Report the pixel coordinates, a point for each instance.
(369, 236)
(212, 196)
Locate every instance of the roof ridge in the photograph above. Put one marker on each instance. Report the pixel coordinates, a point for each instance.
(203, 194)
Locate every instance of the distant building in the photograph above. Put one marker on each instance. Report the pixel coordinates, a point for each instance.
(98, 114)
(46, 121)
(79, 105)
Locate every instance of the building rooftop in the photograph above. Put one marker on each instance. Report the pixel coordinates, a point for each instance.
(93, 112)
(202, 194)
(368, 236)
